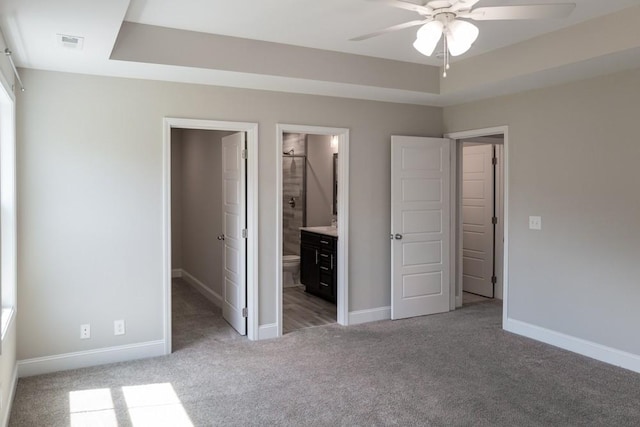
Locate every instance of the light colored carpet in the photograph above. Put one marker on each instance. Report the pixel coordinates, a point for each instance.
(457, 368)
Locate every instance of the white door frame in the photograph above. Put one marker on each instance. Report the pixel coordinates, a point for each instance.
(456, 218)
(252, 215)
(342, 293)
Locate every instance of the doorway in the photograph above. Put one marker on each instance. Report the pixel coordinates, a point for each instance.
(480, 216)
(312, 226)
(309, 233)
(237, 233)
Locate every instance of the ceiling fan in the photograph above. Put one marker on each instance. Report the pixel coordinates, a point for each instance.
(446, 17)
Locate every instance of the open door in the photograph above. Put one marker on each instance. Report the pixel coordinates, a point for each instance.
(235, 243)
(420, 211)
(477, 219)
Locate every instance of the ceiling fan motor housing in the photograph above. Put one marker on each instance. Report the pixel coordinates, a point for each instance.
(444, 17)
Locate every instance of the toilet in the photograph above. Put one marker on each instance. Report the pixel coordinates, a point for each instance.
(290, 271)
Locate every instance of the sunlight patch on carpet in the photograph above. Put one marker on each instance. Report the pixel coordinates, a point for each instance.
(92, 408)
(155, 405)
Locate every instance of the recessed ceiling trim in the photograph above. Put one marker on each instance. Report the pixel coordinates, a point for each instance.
(160, 45)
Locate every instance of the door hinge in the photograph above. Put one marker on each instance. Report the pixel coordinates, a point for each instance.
(244, 233)
(494, 220)
(245, 312)
(244, 154)
(494, 279)
(494, 161)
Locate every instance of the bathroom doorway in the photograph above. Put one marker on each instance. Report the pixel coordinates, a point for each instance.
(312, 205)
(308, 274)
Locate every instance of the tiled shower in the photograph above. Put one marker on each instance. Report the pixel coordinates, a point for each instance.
(294, 198)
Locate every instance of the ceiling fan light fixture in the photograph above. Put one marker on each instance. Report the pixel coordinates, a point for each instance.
(460, 36)
(428, 37)
(442, 18)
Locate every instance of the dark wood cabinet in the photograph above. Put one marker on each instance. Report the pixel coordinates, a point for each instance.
(318, 268)
(309, 272)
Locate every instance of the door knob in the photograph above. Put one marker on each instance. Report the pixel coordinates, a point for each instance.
(398, 236)
(220, 237)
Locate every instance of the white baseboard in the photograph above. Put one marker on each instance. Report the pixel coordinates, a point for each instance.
(370, 315)
(577, 345)
(176, 272)
(212, 296)
(83, 359)
(6, 413)
(268, 331)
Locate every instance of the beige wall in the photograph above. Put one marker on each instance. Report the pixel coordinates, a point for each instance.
(202, 221)
(573, 159)
(319, 180)
(90, 157)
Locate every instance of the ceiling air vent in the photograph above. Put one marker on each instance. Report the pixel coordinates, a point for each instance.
(70, 42)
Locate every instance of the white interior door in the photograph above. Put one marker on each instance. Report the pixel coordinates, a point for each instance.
(235, 219)
(420, 210)
(477, 214)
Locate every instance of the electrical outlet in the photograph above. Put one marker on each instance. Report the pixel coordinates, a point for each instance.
(85, 331)
(118, 327)
(535, 223)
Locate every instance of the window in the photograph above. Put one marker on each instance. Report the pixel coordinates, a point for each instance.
(8, 213)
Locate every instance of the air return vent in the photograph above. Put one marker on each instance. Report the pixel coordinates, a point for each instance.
(70, 42)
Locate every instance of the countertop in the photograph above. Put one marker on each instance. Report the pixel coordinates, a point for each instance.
(327, 230)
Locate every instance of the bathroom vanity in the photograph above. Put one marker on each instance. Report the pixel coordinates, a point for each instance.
(318, 261)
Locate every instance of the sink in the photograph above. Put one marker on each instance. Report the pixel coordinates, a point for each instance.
(325, 229)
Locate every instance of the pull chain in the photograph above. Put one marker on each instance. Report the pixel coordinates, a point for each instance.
(446, 56)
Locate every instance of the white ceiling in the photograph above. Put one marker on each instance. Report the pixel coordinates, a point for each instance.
(329, 24)
(30, 28)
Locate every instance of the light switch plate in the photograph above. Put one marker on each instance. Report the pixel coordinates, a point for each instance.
(535, 223)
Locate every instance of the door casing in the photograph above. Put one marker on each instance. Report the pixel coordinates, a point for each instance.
(251, 130)
(342, 293)
(456, 218)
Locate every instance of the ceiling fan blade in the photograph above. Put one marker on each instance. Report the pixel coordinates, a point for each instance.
(423, 10)
(463, 5)
(390, 29)
(539, 11)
